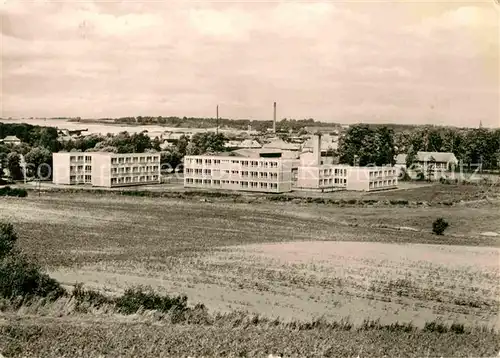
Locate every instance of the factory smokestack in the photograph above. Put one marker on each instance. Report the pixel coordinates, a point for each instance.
(274, 119)
(317, 149)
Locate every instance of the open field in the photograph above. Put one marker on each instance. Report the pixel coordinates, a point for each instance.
(292, 261)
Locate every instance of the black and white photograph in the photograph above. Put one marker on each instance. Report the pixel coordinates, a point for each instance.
(259, 178)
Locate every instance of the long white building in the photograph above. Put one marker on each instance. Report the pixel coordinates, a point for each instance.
(105, 169)
(315, 174)
(261, 172)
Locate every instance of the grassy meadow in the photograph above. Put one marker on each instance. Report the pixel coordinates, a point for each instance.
(278, 260)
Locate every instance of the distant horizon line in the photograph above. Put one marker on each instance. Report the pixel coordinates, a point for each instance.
(240, 119)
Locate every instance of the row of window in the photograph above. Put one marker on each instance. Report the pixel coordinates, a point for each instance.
(242, 174)
(331, 181)
(336, 172)
(242, 184)
(384, 172)
(80, 178)
(244, 163)
(80, 158)
(383, 183)
(80, 168)
(122, 170)
(134, 179)
(128, 160)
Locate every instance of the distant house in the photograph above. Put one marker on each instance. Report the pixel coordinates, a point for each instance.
(11, 139)
(328, 143)
(435, 162)
(245, 144)
(280, 144)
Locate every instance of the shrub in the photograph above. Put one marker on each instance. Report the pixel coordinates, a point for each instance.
(85, 298)
(439, 226)
(135, 298)
(8, 191)
(21, 278)
(8, 239)
(18, 276)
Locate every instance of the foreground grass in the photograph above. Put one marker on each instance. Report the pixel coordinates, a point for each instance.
(48, 337)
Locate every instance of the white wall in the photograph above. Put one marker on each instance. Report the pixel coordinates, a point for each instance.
(101, 169)
(358, 179)
(308, 177)
(60, 168)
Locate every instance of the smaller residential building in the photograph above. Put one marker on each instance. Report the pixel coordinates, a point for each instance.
(105, 169)
(328, 143)
(12, 140)
(244, 144)
(279, 144)
(436, 164)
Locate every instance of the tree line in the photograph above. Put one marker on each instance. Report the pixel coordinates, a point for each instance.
(38, 144)
(364, 144)
(360, 145)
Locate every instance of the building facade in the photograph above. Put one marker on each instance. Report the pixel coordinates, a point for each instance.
(372, 178)
(316, 173)
(259, 174)
(432, 165)
(104, 169)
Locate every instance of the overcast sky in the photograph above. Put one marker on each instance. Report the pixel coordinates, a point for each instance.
(384, 61)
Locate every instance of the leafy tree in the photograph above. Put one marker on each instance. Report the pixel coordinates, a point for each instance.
(38, 162)
(384, 141)
(355, 144)
(140, 142)
(439, 226)
(363, 145)
(14, 166)
(48, 139)
(182, 144)
(434, 141)
(172, 158)
(206, 143)
(411, 157)
(155, 144)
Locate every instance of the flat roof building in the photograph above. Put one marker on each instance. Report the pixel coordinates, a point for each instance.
(105, 169)
(315, 174)
(258, 171)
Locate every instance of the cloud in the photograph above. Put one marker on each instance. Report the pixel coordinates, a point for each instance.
(338, 61)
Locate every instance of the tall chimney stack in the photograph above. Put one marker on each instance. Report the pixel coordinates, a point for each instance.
(274, 119)
(317, 149)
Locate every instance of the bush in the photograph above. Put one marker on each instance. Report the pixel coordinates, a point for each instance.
(8, 191)
(439, 226)
(87, 298)
(21, 278)
(135, 298)
(8, 239)
(18, 276)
